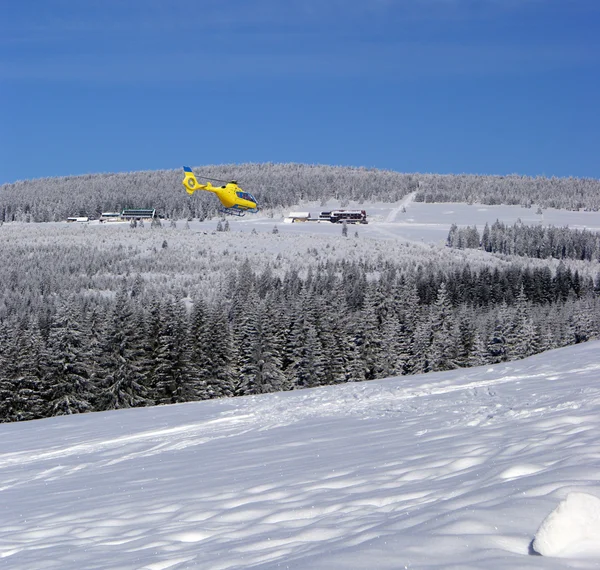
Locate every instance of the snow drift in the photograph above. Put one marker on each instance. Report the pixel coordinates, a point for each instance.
(572, 528)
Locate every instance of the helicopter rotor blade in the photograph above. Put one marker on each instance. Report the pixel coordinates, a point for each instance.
(213, 179)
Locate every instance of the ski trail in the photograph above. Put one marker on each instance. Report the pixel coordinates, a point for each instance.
(391, 217)
(397, 234)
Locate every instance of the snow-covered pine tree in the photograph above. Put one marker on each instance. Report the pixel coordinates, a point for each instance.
(444, 340)
(308, 359)
(32, 362)
(270, 376)
(198, 333)
(408, 310)
(478, 355)
(247, 333)
(330, 312)
(67, 377)
(392, 362)
(9, 406)
(370, 330)
(171, 366)
(497, 343)
(218, 370)
(122, 373)
(419, 360)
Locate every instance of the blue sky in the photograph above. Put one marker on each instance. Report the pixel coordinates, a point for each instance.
(444, 86)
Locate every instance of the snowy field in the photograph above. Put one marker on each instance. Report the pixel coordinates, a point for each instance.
(417, 221)
(407, 220)
(447, 470)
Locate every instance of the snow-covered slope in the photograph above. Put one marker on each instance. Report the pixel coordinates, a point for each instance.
(446, 470)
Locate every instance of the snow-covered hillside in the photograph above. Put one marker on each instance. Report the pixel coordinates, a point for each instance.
(445, 470)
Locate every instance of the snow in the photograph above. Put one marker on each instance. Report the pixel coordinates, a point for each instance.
(468, 469)
(572, 529)
(406, 220)
(478, 468)
(430, 222)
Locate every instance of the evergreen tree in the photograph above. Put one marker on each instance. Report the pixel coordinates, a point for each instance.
(217, 372)
(529, 342)
(485, 238)
(524, 338)
(9, 401)
(420, 361)
(392, 361)
(270, 377)
(408, 310)
(478, 355)
(355, 366)
(466, 334)
(247, 332)
(371, 345)
(293, 331)
(32, 364)
(199, 357)
(310, 369)
(497, 344)
(171, 366)
(123, 363)
(443, 349)
(307, 359)
(331, 310)
(67, 378)
(581, 323)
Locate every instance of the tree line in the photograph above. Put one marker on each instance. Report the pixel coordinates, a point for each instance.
(540, 242)
(560, 193)
(277, 187)
(266, 332)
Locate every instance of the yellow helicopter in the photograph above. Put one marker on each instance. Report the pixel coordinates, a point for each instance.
(235, 201)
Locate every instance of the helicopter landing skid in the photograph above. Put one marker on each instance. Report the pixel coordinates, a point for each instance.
(232, 212)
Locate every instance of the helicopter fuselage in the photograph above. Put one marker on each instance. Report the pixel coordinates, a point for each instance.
(231, 196)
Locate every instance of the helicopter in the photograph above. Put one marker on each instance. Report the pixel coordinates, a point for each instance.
(235, 201)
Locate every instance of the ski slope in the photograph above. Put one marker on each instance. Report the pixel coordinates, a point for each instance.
(456, 470)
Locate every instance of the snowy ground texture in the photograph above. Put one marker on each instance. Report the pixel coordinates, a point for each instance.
(453, 470)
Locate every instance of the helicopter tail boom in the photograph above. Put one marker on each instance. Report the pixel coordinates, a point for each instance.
(191, 184)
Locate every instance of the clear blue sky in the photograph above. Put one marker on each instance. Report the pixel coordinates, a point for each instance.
(444, 86)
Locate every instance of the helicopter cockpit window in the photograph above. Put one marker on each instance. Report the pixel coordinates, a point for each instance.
(245, 196)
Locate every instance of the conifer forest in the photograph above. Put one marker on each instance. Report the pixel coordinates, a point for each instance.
(95, 318)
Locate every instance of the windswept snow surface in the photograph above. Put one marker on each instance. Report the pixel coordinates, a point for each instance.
(453, 470)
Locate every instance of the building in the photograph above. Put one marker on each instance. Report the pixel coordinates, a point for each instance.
(111, 217)
(295, 217)
(128, 215)
(138, 214)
